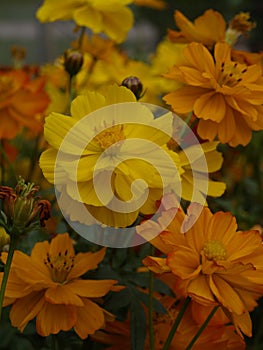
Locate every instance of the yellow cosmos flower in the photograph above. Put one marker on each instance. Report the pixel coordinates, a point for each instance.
(215, 263)
(80, 172)
(214, 160)
(111, 17)
(47, 285)
(206, 29)
(225, 95)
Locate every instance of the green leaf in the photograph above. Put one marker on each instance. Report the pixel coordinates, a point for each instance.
(138, 325)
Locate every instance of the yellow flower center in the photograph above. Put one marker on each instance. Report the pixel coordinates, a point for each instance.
(215, 250)
(231, 73)
(110, 136)
(59, 266)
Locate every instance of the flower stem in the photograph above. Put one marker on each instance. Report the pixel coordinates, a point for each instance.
(54, 343)
(202, 328)
(6, 271)
(150, 307)
(176, 324)
(81, 37)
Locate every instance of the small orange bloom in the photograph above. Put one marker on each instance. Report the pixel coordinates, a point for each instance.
(206, 29)
(47, 285)
(225, 95)
(214, 263)
(21, 101)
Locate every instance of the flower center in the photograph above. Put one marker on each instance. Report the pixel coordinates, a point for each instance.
(110, 136)
(59, 266)
(215, 250)
(231, 73)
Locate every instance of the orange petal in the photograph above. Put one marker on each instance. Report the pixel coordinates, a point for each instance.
(90, 288)
(25, 309)
(86, 261)
(157, 265)
(60, 244)
(183, 99)
(226, 295)
(210, 106)
(61, 294)
(54, 318)
(89, 319)
(38, 255)
(199, 290)
(184, 262)
(207, 129)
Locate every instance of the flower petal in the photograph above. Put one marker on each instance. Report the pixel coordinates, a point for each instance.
(89, 319)
(25, 309)
(62, 243)
(61, 294)
(84, 262)
(90, 288)
(54, 318)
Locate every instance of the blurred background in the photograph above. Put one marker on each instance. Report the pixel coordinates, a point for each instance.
(44, 42)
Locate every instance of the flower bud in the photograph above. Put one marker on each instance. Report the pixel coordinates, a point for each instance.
(135, 85)
(4, 237)
(73, 61)
(21, 207)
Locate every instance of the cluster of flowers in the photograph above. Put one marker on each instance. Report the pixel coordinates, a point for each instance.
(79, 118)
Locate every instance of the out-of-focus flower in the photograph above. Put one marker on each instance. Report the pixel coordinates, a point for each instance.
(117, 334)
(156, 4)
(226, 96)
(131, 164)
(47, 286)
(207, 29)
(111, 17)
(239, 25)
(214, 263)
(21, 207)
(214, 162)
(22, 100)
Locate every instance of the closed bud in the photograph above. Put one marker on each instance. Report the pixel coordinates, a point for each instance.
(73, 61)
(135, 85)
(4, 237)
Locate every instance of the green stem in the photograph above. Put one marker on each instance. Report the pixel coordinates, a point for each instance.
(176, 324)
(150, 307)
(6, 271)
(54, 344)
(202, 328)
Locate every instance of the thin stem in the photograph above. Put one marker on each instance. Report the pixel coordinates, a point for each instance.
(54, 344)
(202, 328)
(150, 307)
(176, 324)
(81, 37)
(6, 271)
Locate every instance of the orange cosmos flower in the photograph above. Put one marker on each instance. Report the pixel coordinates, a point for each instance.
(214, 263)
(117, 334)
(225, 95)
(21, 101)
(206, 29)
(47, 285)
